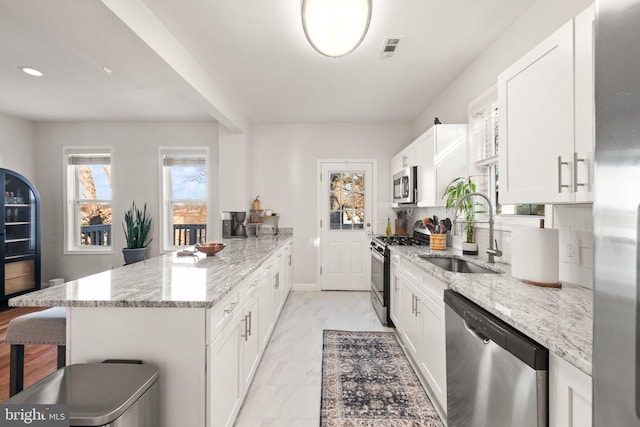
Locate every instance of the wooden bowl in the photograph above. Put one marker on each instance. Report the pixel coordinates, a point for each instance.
(210, 248)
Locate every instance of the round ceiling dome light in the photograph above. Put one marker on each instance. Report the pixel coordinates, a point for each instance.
(32, 71)
(335, 27)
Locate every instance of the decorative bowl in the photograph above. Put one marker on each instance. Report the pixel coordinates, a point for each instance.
(210, 248)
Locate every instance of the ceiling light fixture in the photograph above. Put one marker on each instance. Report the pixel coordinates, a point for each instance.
(335, 27)
(32, 71)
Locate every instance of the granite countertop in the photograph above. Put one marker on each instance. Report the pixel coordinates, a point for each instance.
(164, 281)
(559, 319)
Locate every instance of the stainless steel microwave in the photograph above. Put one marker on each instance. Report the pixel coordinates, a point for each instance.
(405, 185)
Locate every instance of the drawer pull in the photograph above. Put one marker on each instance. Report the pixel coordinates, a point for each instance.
(231, 307)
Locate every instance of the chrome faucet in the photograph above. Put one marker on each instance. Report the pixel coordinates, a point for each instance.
(491, 251)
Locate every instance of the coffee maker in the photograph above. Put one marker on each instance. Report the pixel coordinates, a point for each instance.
(233, 224)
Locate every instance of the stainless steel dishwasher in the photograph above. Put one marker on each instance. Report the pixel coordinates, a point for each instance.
(496, 376)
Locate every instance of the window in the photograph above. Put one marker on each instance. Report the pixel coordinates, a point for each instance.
(88, 194)
(483, 116)
(184, 197)
(346, 199)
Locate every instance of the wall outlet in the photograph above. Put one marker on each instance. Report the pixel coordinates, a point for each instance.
(571, 251)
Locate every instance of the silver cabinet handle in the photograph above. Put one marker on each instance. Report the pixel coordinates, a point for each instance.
(417, 301)
(246, 330)
(250, 327)
(560, 185)
(231, 307)
(413, 304)
(577, 184)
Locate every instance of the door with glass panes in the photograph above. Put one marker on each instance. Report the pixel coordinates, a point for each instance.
(346, 218)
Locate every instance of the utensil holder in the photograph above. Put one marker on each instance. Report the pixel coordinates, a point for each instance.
(438, 242)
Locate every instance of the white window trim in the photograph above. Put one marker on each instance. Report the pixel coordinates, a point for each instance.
(69, 245)
(166, 214)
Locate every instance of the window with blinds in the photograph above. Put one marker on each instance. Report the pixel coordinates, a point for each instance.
(89, 196)
(184, 197)
(485, 133)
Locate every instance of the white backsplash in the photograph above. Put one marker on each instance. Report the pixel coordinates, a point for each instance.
(574, 222)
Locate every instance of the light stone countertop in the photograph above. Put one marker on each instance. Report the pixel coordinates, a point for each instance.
(163, 281)
(559, 319)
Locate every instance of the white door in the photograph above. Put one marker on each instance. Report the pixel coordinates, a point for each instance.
(346, 190)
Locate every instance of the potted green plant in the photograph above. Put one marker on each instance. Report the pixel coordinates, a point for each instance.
(454, 193)
(136, 225)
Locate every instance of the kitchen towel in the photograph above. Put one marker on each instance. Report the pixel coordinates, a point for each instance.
(534, 255)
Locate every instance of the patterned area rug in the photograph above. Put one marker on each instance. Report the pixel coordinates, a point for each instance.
(368, 381)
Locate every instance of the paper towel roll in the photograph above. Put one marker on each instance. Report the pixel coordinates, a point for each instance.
(534, 255)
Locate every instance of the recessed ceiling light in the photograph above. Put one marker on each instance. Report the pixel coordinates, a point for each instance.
(32, 71)
(107, 70)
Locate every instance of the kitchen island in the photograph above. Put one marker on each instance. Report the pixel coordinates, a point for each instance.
(203, 321)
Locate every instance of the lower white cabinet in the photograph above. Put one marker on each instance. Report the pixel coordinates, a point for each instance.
(570, 395)
(420, 324)
(224, 382)
(244, 331)
(395, 297)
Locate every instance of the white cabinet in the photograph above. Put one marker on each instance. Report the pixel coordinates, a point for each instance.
(440, 155)
(421, 326)
(395, 297)
(546, 119)
(241, 327)
(225, 384)
(570, 391)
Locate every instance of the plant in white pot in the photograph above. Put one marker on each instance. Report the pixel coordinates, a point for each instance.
(455, 192)
(136, 225)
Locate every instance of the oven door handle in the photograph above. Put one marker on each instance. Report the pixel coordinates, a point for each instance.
(377, 256)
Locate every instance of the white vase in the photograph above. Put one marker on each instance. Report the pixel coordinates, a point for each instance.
(469, 248)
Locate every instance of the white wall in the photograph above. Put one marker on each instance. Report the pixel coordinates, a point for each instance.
(541, 19)
(17, 146)
(136, 176)
(284, 162)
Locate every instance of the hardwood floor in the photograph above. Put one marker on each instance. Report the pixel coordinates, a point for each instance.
(39, 360)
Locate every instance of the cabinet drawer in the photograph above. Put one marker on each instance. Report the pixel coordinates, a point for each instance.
(19, 276)
(434, 288)
(412, 272)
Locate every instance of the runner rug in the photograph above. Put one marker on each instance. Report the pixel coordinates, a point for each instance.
(368, 381)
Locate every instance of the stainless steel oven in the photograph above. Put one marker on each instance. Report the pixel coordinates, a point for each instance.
(380, 280)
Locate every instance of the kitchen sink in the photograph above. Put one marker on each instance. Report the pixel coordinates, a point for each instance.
(456, 265)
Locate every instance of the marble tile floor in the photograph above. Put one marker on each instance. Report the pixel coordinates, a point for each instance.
(286, 389)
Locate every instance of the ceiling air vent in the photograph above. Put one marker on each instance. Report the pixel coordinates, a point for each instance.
(389, 47)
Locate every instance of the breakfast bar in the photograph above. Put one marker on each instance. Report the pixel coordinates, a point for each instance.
(203, 321)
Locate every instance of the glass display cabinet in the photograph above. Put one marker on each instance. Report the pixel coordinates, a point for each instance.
(20, 235)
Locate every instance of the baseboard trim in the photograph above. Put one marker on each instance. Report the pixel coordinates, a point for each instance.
(305, 287)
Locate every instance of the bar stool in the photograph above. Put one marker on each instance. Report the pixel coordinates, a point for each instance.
(42, 327)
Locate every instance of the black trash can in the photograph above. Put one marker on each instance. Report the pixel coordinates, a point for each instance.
(100, 394)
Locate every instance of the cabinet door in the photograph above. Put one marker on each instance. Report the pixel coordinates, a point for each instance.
(409, 319)
(570, 392)
(450, 159)
(426, 169)
(267, 319)
(249, 333)
(536, 102)
(225, 383)
(433, 348)
(584, 105)
(396, 298)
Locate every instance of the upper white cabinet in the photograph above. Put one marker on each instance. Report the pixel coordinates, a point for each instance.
(546, 119)
(440, 155)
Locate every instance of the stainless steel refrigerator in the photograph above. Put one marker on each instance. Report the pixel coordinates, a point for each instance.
(616, 351)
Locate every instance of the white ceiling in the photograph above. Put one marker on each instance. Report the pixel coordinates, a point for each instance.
(254, 50)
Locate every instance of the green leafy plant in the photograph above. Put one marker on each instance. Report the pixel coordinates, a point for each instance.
(455, 191)
(137, 225)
